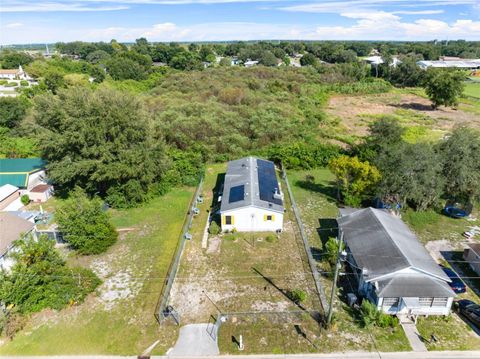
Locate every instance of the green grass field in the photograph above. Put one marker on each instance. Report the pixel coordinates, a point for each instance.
(472, 89)
(129, 326)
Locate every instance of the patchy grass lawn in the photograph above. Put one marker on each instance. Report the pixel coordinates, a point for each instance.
(452, 333)
(119, 317)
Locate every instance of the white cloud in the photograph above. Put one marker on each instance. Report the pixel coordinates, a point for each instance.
(55, 6)
(334, 6)
(418, 12)
(13, 25)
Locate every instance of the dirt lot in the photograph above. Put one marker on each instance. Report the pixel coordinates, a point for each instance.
(355, 112)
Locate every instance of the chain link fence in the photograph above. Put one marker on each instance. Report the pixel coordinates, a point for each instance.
(162, 310)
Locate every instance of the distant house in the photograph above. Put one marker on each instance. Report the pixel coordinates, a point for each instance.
(466, 64)
(24, 173)
(11, 228)
(472, 256)
(250, 63)
(378, 60)
(13, 74)
(391, 267)
(41, 193)
(8, 194)
(252, 200)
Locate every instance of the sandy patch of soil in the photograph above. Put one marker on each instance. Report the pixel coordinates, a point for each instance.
(350, 109)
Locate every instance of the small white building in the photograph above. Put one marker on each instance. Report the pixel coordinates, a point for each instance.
(252, 200)
(465, 64)
(472, 256)
(250, 63)
(13, 74)
(392, 268)
(8, 194)
(41, 193)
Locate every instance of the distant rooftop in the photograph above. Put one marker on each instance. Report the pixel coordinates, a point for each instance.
(253, 182)
(11, 229)
(15, 171)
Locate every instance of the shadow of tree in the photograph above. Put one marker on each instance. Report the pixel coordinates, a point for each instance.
(328, 190)
(414, 106)
(217, 191)
(328, 227)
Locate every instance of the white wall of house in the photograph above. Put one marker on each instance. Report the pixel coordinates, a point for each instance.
(429, 306)
(252, 219)
(35, 178)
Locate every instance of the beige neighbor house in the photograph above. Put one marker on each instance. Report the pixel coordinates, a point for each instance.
(11, 228)
(392, 268)
(472, 256)
(13, 74)
(252, 200)
(8, 194)
(41, 193)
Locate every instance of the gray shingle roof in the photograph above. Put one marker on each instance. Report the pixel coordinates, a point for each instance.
(413, 286)
(259, 182)
(11, 229)
(383, 244)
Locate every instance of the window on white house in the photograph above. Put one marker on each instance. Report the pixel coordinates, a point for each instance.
(440, 302)
(228, 220)
(425, 301)
(390, 302)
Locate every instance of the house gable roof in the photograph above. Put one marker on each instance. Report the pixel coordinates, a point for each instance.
(15, 171)
(411, 285)
(382, 244)
(250, 182)
(11, 228)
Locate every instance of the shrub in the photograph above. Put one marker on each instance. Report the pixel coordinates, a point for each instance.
(271, 238)
(25, 199)
(24, 83)
(10, 84)
(370, 316)
(214, 228)
(84, 223)
(41, 279)
(229, 237)
(3, 82)
(297, 295)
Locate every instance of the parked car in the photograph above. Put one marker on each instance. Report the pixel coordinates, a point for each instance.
(470, 310)
(456, 283)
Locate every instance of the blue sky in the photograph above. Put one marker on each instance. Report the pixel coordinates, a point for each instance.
(37, 21)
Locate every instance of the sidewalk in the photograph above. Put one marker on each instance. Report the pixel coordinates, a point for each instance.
(413, 336)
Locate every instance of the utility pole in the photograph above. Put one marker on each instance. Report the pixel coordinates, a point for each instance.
(338, 265)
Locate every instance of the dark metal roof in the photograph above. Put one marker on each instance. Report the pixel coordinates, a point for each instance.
(251, 182)
(383, 244)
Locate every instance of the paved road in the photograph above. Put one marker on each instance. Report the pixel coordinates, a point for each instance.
(195, 340)
(348, 355)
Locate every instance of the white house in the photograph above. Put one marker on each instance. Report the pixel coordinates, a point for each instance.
(391, 267)
(13, 74)
(41, 192)
(11, 228)
(250, 63)
(378, 60)
(8, 194)
(252, 200)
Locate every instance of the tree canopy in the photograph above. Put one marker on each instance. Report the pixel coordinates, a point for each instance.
(99, 140)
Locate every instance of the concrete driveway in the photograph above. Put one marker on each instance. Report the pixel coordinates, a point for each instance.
(195, 340)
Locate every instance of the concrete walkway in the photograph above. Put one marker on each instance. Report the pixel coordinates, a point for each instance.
(195, 340)
(413, 337)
